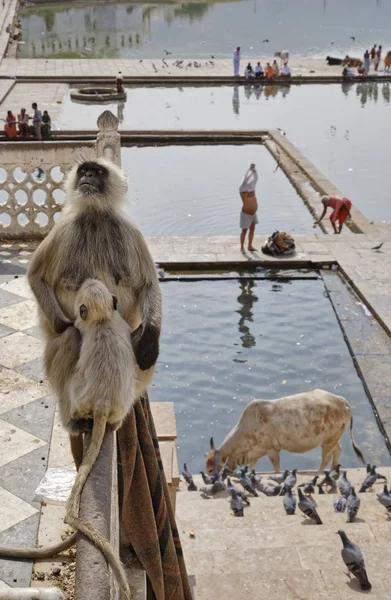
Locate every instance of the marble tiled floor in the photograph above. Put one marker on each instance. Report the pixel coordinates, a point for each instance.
(26, 416)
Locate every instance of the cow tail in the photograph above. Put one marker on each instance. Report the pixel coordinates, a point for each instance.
(355, 447)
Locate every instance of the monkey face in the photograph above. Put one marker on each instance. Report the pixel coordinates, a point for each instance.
(92, 178)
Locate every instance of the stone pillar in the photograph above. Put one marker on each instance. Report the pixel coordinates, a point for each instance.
(99, 506)
(109, 140)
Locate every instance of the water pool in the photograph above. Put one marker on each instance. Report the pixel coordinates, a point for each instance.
(197, 29)
(342, 129)
(194, 191)
(226, 342)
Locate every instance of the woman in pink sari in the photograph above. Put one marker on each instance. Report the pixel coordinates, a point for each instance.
(341, 211)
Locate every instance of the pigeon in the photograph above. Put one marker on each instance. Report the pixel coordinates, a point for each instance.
(335, 473)
(384, 498)
(255, 480)
(231, 486)
(219, 486)
(378, 475)
(369, 480)
(327, 481)
(265, 41)
(236, 504)
(321, 490)
(307, 506)
(352, 38)
(309, 486)
(272, 490)
(166, 52)
(240, 471)
(290, 481)
(369, 467)
(352, 505)
(206, 479)
(280, 478)
(188, 477)
(224, 473)
(289, 502)
(353, 559)
(248, 486)
(340, 504)
(211, 490)
(377, 248)
(344, 485)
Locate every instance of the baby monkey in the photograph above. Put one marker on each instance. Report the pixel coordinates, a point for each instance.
(102, 387)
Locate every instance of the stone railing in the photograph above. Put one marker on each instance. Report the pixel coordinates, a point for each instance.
(31, 176)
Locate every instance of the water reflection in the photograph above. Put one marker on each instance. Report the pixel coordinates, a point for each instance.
(367, 91)
(235, 100)
(299, 346)
(198, 29)
(315, 119)
(246, 299)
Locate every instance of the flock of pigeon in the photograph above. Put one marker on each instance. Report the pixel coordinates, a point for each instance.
(181, 64)
(283, 484)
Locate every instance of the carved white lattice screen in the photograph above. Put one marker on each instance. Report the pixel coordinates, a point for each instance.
(31, 175)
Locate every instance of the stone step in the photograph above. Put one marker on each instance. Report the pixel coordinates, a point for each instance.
(163, 414)
(267, 553)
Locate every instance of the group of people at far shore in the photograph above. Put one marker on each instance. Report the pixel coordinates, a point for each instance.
(41, 127)
(372, 59)
(271, 71)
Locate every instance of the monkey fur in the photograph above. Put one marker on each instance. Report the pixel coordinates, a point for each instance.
(102, 387)
(94, 239)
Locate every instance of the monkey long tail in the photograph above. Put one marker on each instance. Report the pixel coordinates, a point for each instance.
(107, 550)
(48, 552)
(98, 432)
(73, 505)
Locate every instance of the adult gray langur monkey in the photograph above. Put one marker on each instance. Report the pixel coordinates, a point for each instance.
(94, 239)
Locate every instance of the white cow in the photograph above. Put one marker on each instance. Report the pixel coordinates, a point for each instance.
(283, 55)
(294, 423)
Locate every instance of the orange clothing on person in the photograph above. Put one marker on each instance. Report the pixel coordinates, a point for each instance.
(340, 212)
(270, 72)
(10, 126)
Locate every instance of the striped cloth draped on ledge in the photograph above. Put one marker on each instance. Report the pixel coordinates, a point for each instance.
(147, 514)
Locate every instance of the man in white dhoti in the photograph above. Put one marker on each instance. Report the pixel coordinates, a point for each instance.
(237, 61)
(248, 216)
